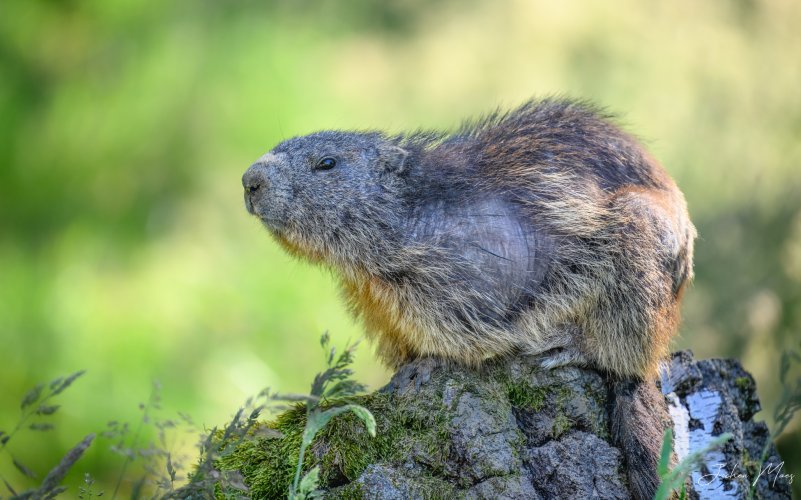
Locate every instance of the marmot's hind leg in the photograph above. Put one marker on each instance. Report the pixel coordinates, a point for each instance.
(630, 327)
(557, 350)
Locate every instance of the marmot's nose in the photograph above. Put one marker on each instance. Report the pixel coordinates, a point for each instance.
(254, 179)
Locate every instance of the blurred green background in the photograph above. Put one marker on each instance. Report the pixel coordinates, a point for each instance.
(125, 126)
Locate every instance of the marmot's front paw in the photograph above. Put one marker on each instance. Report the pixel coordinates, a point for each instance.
(412, 375)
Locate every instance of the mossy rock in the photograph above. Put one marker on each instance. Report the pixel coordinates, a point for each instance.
(456, 434)
(508, 430)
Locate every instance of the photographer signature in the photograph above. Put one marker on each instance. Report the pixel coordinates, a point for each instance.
(771, 472)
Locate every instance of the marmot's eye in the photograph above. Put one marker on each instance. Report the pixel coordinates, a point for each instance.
(326, 163)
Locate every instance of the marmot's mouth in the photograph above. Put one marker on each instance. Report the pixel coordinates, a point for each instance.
(274, 224)
(249, 205)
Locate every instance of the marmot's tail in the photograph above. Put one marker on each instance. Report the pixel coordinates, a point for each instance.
(639, 419)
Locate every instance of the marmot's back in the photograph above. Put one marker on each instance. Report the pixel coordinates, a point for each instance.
(565, 137)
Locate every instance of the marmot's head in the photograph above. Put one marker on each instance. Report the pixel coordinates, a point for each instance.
(326, 195)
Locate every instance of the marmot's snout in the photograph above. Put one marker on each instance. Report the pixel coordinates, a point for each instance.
(256, 184)
(265, 194)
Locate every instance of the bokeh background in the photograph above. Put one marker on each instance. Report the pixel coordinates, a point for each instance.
(125, 126)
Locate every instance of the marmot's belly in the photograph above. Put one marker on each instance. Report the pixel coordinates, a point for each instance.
(405, 327)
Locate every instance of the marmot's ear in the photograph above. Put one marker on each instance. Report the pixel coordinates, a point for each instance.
(393, 158)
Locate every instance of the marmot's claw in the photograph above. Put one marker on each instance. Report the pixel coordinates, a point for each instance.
(562, 357)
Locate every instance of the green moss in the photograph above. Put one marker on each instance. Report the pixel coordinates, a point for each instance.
(522, 395)
(435, 488)
(554, 400)
(745, 384)
(751, 466)
(342, 449)
(418, 429)
(268, 463)
(563, 395)
(352, 491)
(560, 425)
